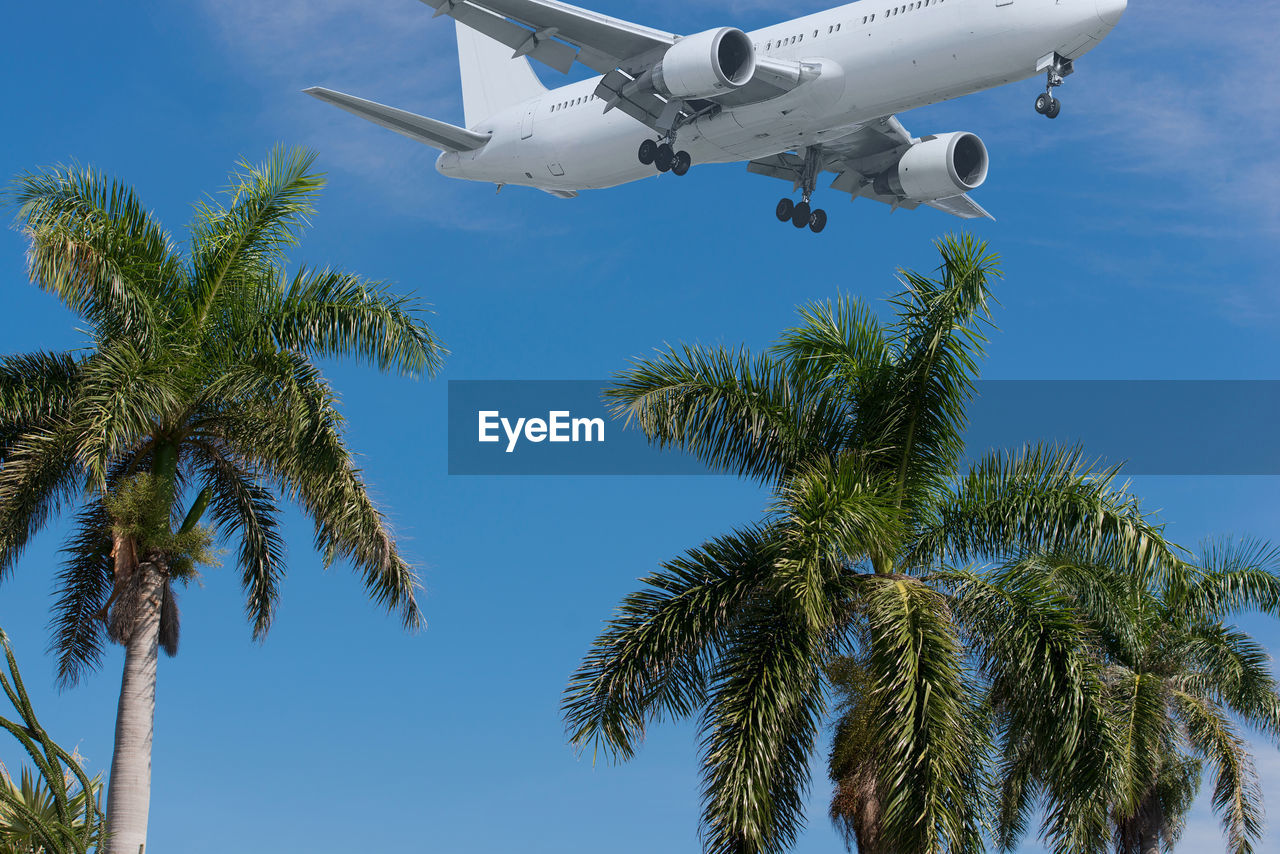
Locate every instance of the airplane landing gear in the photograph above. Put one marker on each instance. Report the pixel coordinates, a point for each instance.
(664, 157)
(681, 162)
(1047, 105)
(1055, 68)
(801, 215)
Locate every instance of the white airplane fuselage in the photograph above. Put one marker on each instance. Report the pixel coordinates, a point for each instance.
(873, 65)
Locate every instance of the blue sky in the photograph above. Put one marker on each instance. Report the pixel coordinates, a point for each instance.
(1138, 232)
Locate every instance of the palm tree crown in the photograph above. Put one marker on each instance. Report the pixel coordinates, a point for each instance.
(856, 427)
(197, 395)
(1178, 681)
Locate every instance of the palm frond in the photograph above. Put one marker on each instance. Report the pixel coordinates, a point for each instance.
(939, 341)
(829, 514)
(1044, 499)
(298, 444)
(759, 727)
(1144, 735)
(80, 595)
(232, 246)
(1227, 664)
(1108, 598)
(96, 248)
(928, 726)
(40, 477)
(842, 345)
(170, 630)
(1236, 575)
(123, 396)
(327, 313)
(1237, 796)
(734, 413)
(34, 389)
(1039, 655)
(651, 660)
(245, 507)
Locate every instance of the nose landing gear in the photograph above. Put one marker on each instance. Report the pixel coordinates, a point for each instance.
(1055, 68)
(1047, 105)
(801, 215)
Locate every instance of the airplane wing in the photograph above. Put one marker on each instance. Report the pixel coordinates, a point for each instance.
(437, 134)
(857, 158)
(558, 34)
(534, 28)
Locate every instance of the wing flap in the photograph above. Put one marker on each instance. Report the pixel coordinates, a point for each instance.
(961, 206)
(618, 89)
(437, 134)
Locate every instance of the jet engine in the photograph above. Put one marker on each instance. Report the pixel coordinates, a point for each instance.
(936, 167)
(706, 64)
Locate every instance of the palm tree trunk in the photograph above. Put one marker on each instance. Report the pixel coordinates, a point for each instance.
(1149, 838)
(858, 808)
(129, 791)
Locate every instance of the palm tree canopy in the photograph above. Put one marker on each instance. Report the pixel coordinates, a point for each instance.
(200, 369)
(1179, 682)
(856, 425)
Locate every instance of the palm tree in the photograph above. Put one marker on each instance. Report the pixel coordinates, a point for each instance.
(198, 394)
(857, 429)
(53, 810)
(1178, 682)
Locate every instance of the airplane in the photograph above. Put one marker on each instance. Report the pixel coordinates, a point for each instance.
(814, 95)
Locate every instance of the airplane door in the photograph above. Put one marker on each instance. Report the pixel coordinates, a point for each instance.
(526, 125)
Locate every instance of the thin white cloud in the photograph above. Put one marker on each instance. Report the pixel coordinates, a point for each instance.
(386, 50)
(1187, 98)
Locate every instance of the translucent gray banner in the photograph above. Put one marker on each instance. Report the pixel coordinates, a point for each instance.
(1153, 427)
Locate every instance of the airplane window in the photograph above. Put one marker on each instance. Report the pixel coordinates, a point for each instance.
(837, 28)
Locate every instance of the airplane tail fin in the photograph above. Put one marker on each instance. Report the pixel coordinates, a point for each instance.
(492, 79)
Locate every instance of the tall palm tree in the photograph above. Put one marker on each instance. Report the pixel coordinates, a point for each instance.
(856, 427)
(1179, 681)
(198, 394)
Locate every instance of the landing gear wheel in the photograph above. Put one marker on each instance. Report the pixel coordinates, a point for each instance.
(800, 215)
(663, 158)
(817, 220)
(648, 151)
(1043, 100)
(681, 163)
(784, 209)
(1055, 107)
